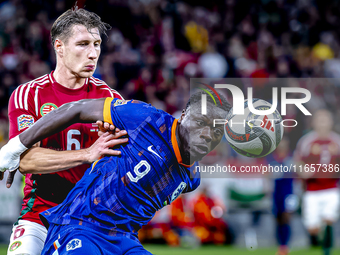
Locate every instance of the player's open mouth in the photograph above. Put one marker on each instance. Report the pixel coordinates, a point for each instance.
(201, 149)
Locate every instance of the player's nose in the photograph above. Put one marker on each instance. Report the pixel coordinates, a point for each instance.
(93, 54)
(206, 134)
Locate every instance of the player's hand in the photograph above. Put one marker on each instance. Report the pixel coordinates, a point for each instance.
(106, 127)
(10, 178)
(103, 144)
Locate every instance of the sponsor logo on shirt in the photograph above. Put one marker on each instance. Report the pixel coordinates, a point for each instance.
(178, 191)
(19, 232)
(25, 121)
(151, 150)
(46, 108)
(120, 102)
(15, 246)
(73, 244)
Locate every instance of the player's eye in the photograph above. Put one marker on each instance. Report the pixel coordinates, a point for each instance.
(218, 132)
(200, 123)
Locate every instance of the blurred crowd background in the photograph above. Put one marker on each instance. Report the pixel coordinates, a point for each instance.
(156, 46)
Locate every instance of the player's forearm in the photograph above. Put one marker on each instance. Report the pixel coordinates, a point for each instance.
(42, 161)
(84, 111)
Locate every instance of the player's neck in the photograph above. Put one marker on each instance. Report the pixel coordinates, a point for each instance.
(324, 135)
(65, 78)
(185, 156)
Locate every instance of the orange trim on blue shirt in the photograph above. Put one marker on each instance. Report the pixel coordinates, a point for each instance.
(94, 163)
(107, 110)
(175, 144)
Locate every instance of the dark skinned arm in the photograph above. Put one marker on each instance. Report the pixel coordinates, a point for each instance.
(83, 111)
(41, 160)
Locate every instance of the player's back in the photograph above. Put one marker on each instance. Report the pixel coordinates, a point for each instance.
(124, 192)
(28, 103)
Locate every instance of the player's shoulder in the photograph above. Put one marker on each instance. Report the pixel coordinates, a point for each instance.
(135, 109)
(306, 141)
(40, 81)
(335, 137)
(137, 106)
(149, 109)
(21, 94)
(100, 85)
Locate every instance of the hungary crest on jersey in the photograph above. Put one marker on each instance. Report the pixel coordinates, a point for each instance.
(46, 108)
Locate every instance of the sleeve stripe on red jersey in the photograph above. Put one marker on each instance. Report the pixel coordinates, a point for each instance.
(49, 76)
(42, 82)
(113, 92)
(26, 95)
(20, 94)
(22, 102)
(118, 95)
(36, 100)
(109, 91)
(97, 81)
(16, 98)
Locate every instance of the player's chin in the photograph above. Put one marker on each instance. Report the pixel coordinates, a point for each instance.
(196, 156)
(86, 74)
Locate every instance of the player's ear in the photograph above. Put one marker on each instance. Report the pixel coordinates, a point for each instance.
(58, 46)
(182, 116)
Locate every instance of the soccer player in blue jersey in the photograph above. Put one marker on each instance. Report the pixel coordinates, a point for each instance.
(285, 201)
(118, 195)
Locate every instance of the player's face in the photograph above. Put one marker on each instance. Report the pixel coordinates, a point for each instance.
(199, 136)
(81, 51)
(322, 121)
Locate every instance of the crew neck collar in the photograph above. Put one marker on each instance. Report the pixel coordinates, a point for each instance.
(66, 90)
(175, 144)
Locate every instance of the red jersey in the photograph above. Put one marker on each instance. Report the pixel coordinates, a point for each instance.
(28, 103)
(313, 150)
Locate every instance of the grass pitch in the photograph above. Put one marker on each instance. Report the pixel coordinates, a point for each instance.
(214, 250)
(225, 250)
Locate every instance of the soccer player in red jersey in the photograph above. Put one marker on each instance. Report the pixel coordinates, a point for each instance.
(320, 206)
(76, 37)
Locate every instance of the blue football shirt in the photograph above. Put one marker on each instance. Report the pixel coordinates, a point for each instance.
(122, 193)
